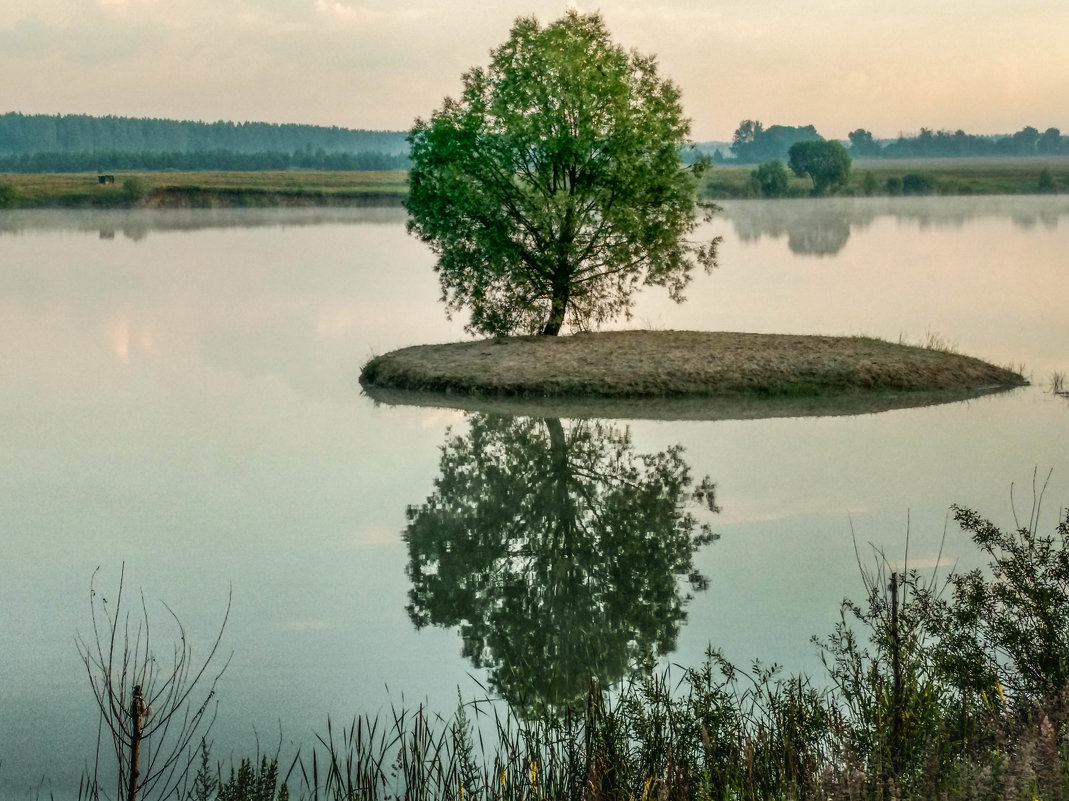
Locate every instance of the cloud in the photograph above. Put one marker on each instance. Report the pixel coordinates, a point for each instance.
(94, 37)
(29, 36)
(346, 14)
(342, 12)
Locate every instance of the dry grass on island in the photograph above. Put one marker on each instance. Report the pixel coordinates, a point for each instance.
(657, 364)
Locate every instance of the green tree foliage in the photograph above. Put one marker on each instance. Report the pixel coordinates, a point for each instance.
(826, 163)
(914, 183)
(958, 144)
(8, 195)
(752, 143)
(557, 551)
(1006, 630)
(862, 145)
(771, 179)
(136, 188)
(869, 184)
(1051, 143)
(553, 188)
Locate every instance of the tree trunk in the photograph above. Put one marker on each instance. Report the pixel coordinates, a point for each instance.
(556, 311)
(562, 276)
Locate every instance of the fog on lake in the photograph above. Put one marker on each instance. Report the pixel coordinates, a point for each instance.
(178, 393)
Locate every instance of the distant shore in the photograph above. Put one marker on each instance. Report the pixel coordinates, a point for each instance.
(299, 188)
(664, 364)
(880, 177)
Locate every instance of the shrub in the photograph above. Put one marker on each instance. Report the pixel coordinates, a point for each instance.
(135, 188)
(1006, 631)
(8, 195)
(869, 184)
(770, 179)
(917, 184)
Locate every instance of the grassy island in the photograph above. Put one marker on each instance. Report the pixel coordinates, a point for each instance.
(660, 364)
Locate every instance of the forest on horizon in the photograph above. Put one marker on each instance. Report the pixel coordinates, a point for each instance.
(38, 143)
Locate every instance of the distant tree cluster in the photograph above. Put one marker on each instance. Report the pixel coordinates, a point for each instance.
(755, 144)
(957, 144)
(115, 161)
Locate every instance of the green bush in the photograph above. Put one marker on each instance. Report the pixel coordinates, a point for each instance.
(8, 195)
(135, 188)
(869, 184)
(917, 184)
(771, 179)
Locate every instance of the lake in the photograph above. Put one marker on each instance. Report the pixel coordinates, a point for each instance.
(179, 400)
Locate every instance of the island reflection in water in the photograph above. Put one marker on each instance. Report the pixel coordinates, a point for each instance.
(558, 552)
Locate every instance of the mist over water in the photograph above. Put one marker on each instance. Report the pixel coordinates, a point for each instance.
(178, 392)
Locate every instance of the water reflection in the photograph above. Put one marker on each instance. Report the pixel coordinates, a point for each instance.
(136, 224)
(822, 227)
(693, 407)
(557, 551)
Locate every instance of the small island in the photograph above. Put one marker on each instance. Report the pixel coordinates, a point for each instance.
(658, 364)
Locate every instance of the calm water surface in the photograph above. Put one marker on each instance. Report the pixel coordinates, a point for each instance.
(178, 393)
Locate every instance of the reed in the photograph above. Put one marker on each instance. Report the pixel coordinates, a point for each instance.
(952, 689)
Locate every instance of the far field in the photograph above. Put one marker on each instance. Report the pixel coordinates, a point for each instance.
(290, 187)
(972, 176)
(964, 176)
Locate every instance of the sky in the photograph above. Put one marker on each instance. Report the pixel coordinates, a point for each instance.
(985, 66)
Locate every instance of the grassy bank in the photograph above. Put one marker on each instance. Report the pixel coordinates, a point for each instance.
(622, 364)
(202, 189)
(976, 176)
(893, 177)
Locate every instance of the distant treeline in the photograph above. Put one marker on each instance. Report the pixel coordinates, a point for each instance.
(753, 143)
(957, 144)
(80, 142)
(196, 160)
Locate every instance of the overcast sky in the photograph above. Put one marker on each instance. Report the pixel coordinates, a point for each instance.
(987, 66)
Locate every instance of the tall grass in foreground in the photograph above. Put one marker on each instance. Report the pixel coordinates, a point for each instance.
(955, 689)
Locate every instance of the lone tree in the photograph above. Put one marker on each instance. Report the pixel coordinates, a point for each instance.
(826, 162)
(553, 187)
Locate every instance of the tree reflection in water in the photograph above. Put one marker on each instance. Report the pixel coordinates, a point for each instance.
(558, 551)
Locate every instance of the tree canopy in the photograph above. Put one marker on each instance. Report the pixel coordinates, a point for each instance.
(826, 162)
(553, 187)
(753, 143)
